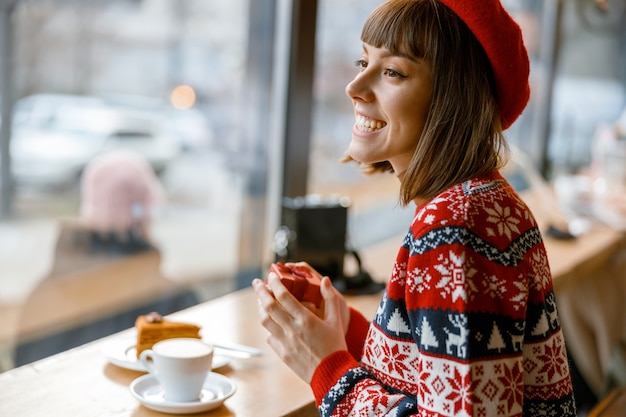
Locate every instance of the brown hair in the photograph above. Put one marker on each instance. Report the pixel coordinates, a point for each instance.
(462, 135)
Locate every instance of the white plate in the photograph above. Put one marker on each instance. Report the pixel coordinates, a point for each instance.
(123, 352)
(217, 388)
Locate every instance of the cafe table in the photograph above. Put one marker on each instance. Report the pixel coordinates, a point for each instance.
(81, 382)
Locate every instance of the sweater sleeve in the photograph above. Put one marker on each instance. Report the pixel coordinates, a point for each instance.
(357, 332)
(329, 371)
(335, 365)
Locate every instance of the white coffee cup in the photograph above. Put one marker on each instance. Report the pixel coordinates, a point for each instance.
(181, 365)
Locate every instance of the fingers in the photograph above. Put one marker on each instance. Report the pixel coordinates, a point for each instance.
(269, 290)
(276, 302)
(310, 306)
(265, 299)
(261, 290)
(282, 295)
(331, 301)
(336, 309)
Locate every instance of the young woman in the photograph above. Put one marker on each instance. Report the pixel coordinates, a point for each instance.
(468, 324)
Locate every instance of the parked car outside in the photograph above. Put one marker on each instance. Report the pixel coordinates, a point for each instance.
(55, 136)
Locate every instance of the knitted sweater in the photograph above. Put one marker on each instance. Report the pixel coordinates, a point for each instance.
(467, 325)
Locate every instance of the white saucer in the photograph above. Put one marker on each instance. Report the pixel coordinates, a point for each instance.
(122, 352)
(217, 388)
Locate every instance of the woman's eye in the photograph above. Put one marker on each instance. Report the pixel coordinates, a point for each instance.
(394, 74)
(361, 64)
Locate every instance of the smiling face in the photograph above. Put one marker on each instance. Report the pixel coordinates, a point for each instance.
(391, 95)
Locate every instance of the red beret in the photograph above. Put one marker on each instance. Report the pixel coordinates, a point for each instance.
(501, 38)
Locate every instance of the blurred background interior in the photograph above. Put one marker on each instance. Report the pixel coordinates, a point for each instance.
(236, 105)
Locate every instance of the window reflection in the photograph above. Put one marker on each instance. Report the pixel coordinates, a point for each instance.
(160, 78)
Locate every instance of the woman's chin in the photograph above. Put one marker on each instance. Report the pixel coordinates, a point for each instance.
(359, 154)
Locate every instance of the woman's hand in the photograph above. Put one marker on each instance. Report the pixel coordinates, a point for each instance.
(299, 334)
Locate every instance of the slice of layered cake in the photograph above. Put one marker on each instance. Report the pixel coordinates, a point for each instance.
(152, 328)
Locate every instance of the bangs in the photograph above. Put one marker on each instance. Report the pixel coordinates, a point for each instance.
(400, 26)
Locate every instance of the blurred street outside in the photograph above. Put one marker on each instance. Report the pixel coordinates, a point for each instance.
(197, 230)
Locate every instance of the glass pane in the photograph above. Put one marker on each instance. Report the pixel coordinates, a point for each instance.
(590, 83)
(526, 133)
(161, 79)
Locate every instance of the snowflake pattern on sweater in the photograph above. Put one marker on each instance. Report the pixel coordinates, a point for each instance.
(468, 324)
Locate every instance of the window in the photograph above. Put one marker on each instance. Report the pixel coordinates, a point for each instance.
(161, 78)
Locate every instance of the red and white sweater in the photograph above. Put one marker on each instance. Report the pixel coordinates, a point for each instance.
(468, 324)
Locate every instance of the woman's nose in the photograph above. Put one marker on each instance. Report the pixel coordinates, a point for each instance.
(358, 88)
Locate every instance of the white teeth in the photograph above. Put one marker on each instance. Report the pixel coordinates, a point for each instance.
(369, 125)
